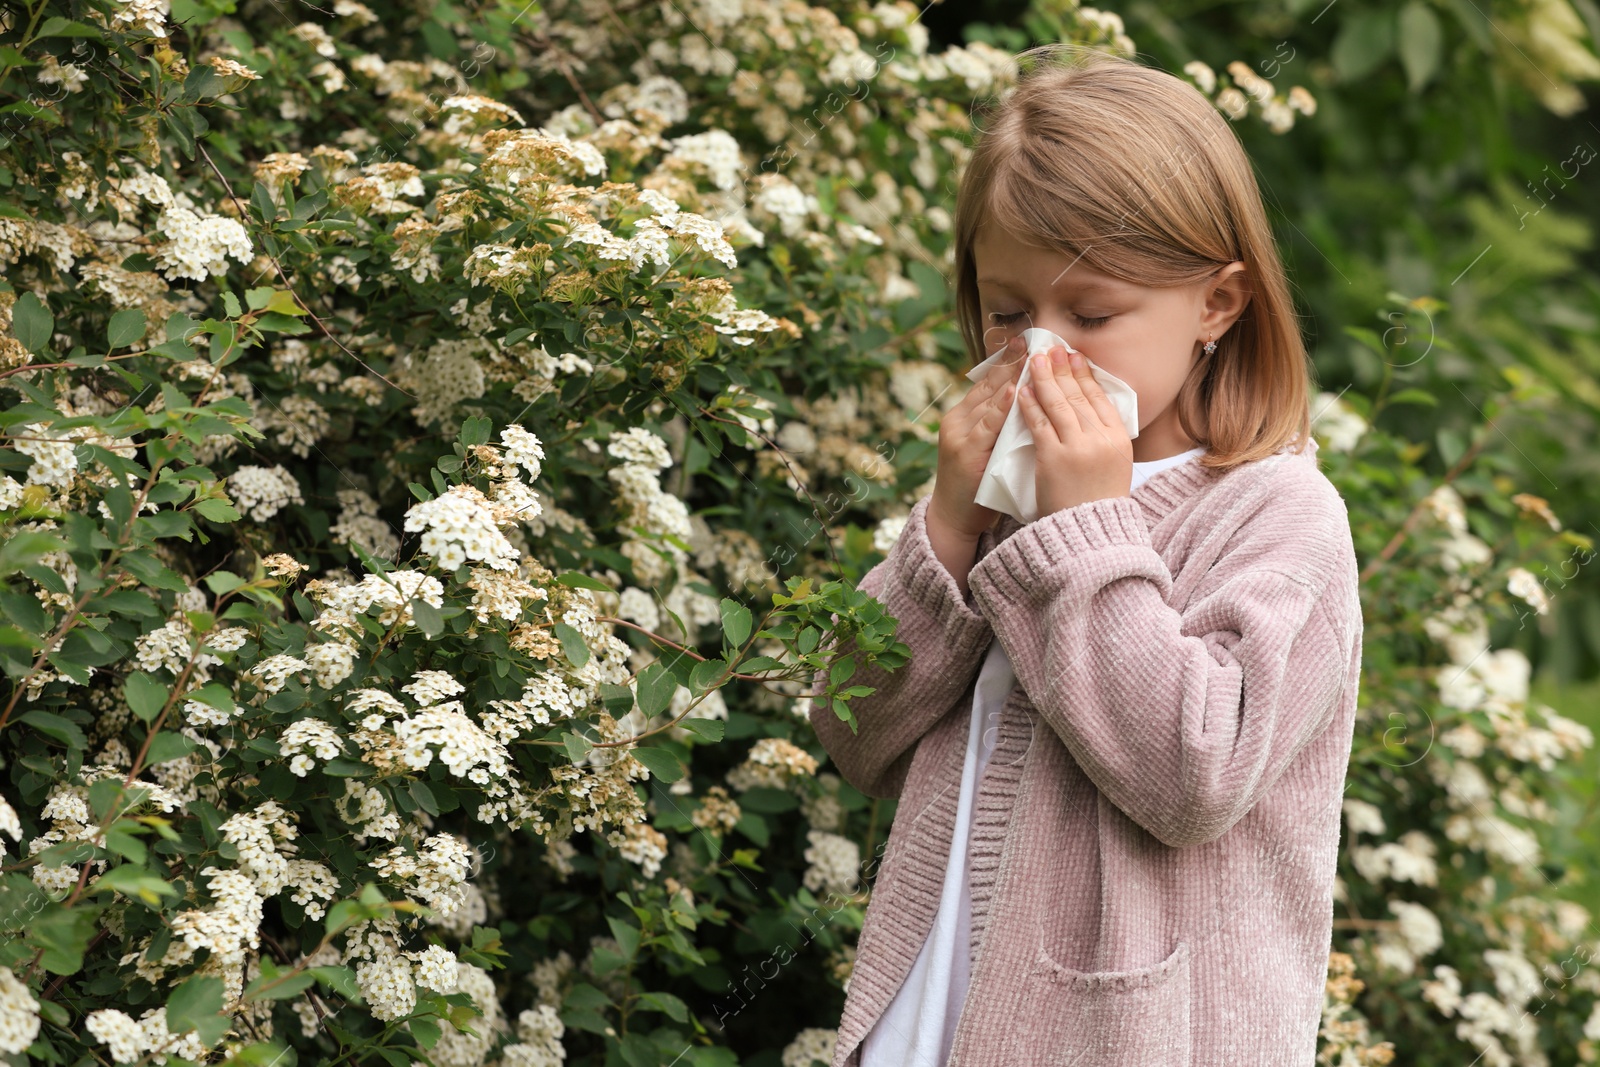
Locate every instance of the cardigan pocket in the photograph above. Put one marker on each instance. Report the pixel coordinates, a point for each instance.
(1112, 1018)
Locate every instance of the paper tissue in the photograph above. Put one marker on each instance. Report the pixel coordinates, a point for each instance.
(1007, 485)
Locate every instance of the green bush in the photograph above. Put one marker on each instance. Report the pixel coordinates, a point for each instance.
(639, 320)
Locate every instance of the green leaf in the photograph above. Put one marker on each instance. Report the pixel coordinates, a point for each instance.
(428, 618)
(127, 326)
(1365, 39)
(1421, 39)
(56, 26)
(124, 844)
(277, 987)
(627, 935)
(767, 800)
(424, 797)
(576, 744)
(217, 510)
(1414, 396)
(341, 980)
(475, 431)
(220, 582)
(63, 933)
(136, 882)
(426, 1031)
(214, 695)
(347, 768)
(177, 124)
(704, 729)
(579, 580)
(572, 644)
(145, 695)
(32, 323)
(670, 1005)
(754, 827)
(736, 621)
(59, 727)
(167, 746)
(618, 699)
(25, 548)
(655, 686)
(663, 764)
(705, 674)
(197, 1005)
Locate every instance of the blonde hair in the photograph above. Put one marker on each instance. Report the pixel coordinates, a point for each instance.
(1135, 172)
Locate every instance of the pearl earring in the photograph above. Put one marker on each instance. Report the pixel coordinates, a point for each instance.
(1211, 347)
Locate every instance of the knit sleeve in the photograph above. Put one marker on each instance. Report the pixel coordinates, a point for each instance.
(1183, 720)
(948, 638)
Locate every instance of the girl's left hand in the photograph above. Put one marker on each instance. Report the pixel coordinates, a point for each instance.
(1082, 452)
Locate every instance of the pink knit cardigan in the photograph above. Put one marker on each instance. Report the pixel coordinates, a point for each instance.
(1154, 839)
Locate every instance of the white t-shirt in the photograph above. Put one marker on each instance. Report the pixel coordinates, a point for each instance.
(919, 1025)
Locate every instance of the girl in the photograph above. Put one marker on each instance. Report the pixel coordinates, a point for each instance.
(1120, 746)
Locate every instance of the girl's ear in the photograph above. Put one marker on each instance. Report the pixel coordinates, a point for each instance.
(1228, 293)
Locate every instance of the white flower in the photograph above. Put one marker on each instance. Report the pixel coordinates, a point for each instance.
(812, 1043)
(437, 969)
(539, 1032)
(19, 1014)
(1233, 103)
(834, 861)
(1362, 817)
(9, 823)
(1302, 101)
(316, 37)
(432, 687)
(523, 449)
(1448, 509)
(261, 492)
(1445, 992)
(1419, 927)
(1463, 550)
(147, 15)
(123, 1037)
(1521, 582)
(332, 661)
(54, 462)
(887, 532)
(196, 246)
(275, 670)
(1337, 422)
(460, 525)
(1408, 860)
(1204, 77)
(638, 606)
(308, 734)
(714, 151)
(641, 843)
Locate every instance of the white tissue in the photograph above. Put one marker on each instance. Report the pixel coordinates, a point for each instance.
(1007, 485)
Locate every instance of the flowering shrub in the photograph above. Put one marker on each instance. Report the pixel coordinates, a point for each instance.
(424, 498)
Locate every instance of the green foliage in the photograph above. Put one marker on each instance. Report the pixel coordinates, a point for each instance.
(410, 598)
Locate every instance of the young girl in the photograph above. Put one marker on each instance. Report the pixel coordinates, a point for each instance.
(1120, 745)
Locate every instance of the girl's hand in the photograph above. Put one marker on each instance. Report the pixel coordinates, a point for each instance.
(1082, 451)
(967, 435)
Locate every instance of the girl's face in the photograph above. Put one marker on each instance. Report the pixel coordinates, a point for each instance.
(1146, 336)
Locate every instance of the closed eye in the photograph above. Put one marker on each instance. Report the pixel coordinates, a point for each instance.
(1083, 322)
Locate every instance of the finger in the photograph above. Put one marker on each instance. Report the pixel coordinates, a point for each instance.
(1078, 365)
(1039, 424)
(1055, 397)
(992, 413)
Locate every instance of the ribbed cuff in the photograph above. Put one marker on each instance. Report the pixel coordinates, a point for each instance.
(927, 581)
(1020, 566)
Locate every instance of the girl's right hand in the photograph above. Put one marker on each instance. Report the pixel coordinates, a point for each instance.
(967, 436)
